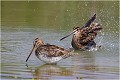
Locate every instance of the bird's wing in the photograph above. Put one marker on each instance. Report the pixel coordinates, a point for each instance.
(52, 50)
(88, 37)
(87, 24)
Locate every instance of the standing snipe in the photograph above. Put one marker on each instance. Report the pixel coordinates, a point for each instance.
(49, 53)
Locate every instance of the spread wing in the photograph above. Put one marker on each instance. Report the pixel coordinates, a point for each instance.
(87, 35)
(89, 21)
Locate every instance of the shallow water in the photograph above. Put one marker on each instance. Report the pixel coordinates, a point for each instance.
(29, 20)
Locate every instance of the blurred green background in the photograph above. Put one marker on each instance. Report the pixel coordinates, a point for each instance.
(65, 14)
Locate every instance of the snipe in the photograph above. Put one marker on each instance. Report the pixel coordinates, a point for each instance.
(83, 38)
(49, 53)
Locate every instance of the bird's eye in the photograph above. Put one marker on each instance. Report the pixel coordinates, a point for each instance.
(34, 41)
(77, 28)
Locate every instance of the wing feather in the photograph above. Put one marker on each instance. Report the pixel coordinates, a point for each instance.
(51, 51)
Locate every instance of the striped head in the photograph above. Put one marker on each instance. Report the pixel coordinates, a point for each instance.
(76, 30)
(37, 42)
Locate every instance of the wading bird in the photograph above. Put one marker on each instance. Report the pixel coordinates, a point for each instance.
(83, 38)
(49, 53)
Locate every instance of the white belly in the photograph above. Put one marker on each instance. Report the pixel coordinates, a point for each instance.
(49, 59)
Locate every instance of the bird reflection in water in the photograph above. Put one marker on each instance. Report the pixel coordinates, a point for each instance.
(47, 71)
(81, 67)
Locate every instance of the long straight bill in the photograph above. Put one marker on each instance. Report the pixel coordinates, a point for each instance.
(68, 35)
(30, 53)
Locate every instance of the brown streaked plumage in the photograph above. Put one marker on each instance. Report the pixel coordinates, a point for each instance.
(49, 53)
(83, 38)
